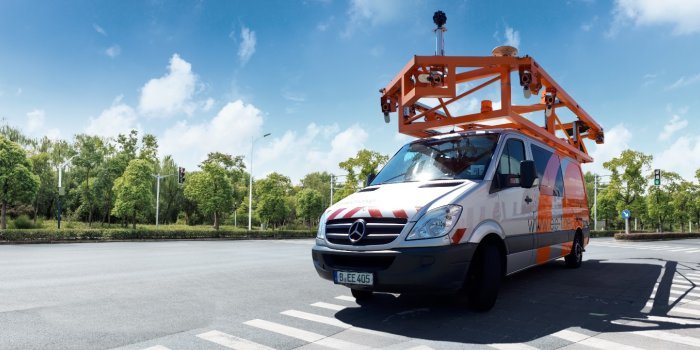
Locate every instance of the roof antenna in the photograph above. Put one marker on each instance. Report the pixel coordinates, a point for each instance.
(439, 18)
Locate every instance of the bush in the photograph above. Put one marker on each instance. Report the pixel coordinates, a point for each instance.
(23, 222)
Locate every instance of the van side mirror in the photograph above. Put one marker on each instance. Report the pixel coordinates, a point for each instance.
(528, 174)
(370, 178)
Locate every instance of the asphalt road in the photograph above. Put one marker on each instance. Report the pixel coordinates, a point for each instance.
(266, 294)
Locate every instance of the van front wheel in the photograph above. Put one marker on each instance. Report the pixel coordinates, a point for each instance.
(484, 278)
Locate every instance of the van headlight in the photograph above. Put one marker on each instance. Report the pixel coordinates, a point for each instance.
(321, 227)
(436, 223)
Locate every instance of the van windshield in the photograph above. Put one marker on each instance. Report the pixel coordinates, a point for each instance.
(465, 157)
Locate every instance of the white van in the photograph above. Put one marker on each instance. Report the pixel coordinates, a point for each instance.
(456, 212)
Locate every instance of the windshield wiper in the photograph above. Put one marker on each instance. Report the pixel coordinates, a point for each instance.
(391, 178)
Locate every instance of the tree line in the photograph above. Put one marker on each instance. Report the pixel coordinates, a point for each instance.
(674, 204)
(112, 182)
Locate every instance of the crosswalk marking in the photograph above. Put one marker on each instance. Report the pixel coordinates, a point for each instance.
(231, 342)
(346, 298)
(304, 335)
(316, 318)
(593, 342)
(157, 347)
(685, 310)
(666, 336)
(328, 306)
(512, 346)
(681, 321)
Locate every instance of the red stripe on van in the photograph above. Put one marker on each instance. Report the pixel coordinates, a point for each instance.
(351, 213)
(375, 213)
(458, 235)
(400, 213)
(335, 213)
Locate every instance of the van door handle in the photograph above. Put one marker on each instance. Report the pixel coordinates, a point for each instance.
(528, 199)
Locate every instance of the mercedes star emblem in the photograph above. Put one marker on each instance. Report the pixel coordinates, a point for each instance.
(357, 231)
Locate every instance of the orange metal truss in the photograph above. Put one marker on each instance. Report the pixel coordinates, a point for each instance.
(438, 77)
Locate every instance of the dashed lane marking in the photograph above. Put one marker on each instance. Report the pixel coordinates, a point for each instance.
(346, 298)
(231, 342)
(338, 323)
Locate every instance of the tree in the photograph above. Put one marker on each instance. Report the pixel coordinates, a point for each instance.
(309, 205)
(171, 197)
(358, 168)
(43, 167)
(133, 191)
(660, 199)
(320, 182)
(627, 182)
(17, 183)
(91, 151)
(272, 199)
(211, 190)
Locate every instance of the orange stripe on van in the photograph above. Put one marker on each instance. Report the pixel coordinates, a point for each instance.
(400, 213)
(352, 212)
(375, 213)
(335, 213)
(458, 235)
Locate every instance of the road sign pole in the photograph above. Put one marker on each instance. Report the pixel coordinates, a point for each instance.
(627, 226)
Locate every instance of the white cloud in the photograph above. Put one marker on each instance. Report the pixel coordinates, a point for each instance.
(512, 37)
(683, 15)
(117, 119)
(616, 140)
(675, 124)
(319, 148)
(247, 47)
(113, 51)
(35, 121)
(682, 157)
(293, 96)
(684, 81)
(99, 29)
(171, 93)
(208, 104)
(363, 13)
(229, 131)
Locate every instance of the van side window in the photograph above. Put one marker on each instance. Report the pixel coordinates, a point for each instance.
(549, 172)
(508, 171)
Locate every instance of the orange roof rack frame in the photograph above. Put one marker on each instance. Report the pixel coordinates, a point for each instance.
(439, 78)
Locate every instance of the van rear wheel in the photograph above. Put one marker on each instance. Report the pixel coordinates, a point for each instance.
(484, 278)
(575, 257)
(361, 295)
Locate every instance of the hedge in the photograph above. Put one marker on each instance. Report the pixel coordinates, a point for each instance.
(655, 236)
(55, 235)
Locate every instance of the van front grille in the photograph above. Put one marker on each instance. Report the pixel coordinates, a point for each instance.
(378, 231)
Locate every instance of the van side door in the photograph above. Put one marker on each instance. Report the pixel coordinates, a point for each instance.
(516, 205)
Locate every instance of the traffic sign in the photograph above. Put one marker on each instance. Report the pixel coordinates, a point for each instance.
(626, 214)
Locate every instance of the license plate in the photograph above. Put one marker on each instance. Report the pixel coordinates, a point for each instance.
(349, 277)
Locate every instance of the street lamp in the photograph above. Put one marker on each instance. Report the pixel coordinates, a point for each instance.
(333, 185)
(595, 200)
(250, 182)
(60, 189)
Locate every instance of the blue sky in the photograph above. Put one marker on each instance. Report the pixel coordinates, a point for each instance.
(209, 75)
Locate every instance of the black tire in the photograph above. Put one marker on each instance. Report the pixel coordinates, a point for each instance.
(484, 278)
(362, 295)
(575, 257)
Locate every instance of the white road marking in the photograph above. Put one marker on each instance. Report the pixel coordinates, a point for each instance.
(157, 347)
(681, 321)
(420, 347)
(512, 346)
(231, 342)
(684, 310)
(681, 249)
(328, 306)
(316, 318)
(346, 298)
(670, 337)
(684, 291)
(593, 342)
(304, 335)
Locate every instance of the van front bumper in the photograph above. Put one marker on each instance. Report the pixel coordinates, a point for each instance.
(442, 268)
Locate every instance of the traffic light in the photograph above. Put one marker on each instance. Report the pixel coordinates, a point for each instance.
(180, 175)
(657, 177)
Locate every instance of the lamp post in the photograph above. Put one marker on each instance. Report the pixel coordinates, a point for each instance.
(60, 189)
(250, 182)
(158, 177)
(333, 185)
(595, 200)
